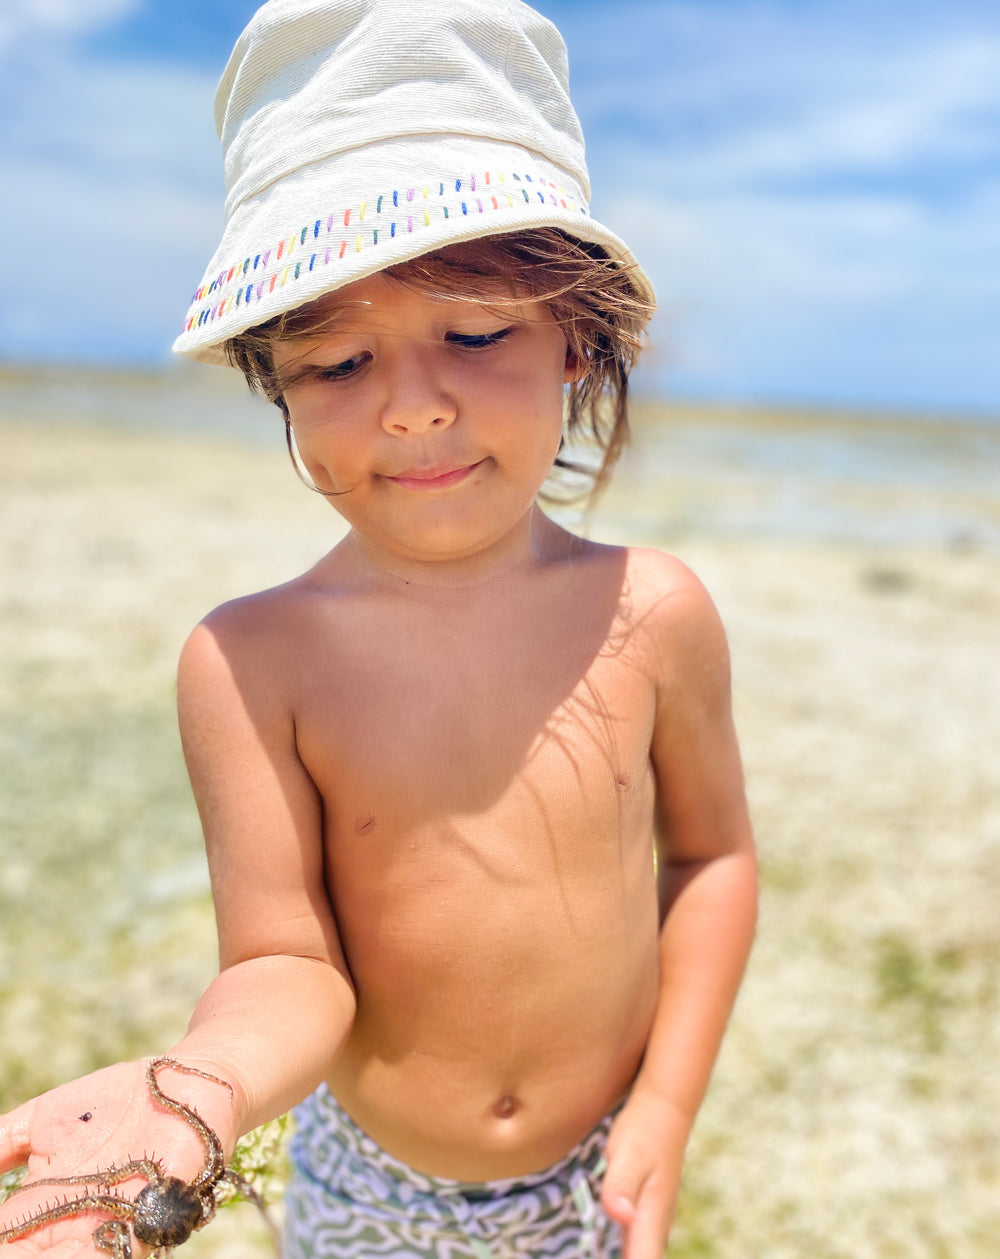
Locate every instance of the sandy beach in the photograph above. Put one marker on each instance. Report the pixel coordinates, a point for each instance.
(854, 1112)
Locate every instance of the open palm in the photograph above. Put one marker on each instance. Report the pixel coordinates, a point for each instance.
(92, 1130)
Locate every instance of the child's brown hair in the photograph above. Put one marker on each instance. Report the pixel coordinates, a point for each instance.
(590, 295)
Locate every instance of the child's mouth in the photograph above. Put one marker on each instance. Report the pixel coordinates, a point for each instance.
(438, 478)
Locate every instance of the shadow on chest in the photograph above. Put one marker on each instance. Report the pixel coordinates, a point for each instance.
(450, 710)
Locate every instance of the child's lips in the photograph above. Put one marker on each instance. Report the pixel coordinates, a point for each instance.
(435, 478)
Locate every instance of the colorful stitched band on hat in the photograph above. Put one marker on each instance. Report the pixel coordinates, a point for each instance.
(407, 210)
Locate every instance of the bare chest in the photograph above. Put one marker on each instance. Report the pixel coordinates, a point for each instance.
(500, 736)
(484, 824)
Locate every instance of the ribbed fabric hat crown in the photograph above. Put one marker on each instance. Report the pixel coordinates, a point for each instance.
(360, 133)
(309, 79)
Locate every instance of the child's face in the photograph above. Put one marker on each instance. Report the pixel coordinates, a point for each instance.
(435, 421)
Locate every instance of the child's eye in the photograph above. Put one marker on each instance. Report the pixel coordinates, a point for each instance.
(479, 341)
(338, 371)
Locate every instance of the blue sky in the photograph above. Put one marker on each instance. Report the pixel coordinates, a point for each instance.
(814, 185)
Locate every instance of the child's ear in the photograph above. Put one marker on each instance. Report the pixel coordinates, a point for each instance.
(575, 369)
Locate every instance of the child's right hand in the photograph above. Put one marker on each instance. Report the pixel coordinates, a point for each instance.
(96, 1123)
(645, 1153)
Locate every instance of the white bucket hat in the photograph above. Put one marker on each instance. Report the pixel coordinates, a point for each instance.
(358, 134)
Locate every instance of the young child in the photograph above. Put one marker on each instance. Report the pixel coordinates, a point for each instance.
(432, 771)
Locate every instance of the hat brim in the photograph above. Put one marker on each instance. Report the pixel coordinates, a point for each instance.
(337, 221)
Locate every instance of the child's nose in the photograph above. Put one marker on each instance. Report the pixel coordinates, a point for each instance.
(417, 396)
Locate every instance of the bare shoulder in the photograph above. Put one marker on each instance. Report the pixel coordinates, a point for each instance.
(676, 616)
(246, 622)
(701, 802)
(236, 704)
(248, 645)
(670, 597)
(238, 628)
(659, 575)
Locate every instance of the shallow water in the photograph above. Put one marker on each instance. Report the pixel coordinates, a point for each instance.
(817, 477)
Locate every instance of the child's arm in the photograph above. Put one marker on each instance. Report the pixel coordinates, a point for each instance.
(708, 899)
(275, 1017)
(283, 1004)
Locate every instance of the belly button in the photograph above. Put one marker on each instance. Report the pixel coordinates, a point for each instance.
(505, 1107)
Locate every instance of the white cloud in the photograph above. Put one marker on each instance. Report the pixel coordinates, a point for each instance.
(126, 120)
(816, 199)
(119, 204)
(845, 296)
(727, 96)
(938, 106)
(105, 271)
(24, 19)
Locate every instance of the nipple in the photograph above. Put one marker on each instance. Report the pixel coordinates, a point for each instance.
(505, 1107)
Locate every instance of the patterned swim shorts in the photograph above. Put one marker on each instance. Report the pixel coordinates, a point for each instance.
(349, 1199)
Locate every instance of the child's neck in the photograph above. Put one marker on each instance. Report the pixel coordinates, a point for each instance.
(536, 543)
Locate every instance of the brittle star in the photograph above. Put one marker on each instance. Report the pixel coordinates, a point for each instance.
(167, 1210)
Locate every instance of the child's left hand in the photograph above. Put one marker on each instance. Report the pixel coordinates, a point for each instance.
(645, 1153)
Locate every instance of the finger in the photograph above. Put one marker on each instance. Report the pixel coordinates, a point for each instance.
(644, 1238)
(42, 1246)
(647, 1234)
(28, 1235)
(629, 1168)
(622, 1185)
(68, 1248)
(15, 1136)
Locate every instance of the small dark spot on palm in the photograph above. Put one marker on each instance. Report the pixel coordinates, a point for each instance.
(167, 1210)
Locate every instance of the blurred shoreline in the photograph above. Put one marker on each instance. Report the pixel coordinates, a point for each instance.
(36, 390)
(692, 468)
